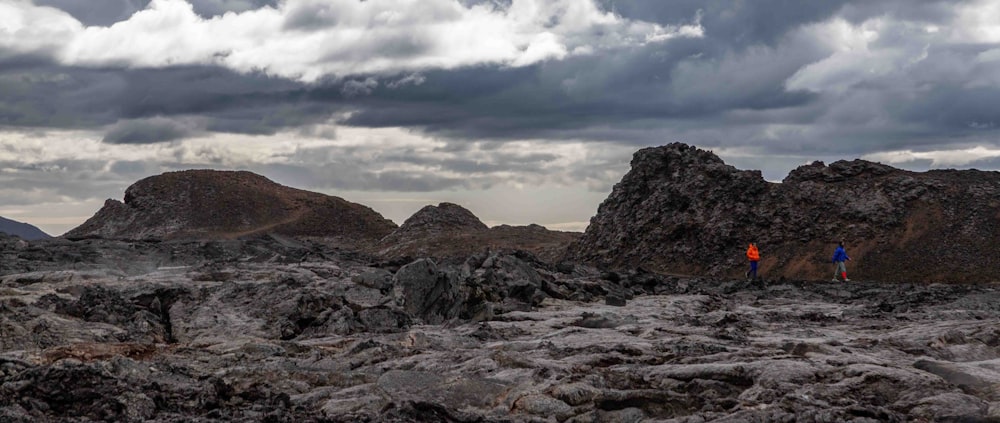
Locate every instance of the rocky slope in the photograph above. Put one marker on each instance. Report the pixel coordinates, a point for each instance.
(226, 204)
(22, 230)
(449, 230)
(683, 210)
(271, 329)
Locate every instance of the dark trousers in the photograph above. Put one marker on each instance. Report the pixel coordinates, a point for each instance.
(753, 270)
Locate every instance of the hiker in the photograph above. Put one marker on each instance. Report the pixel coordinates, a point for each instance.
(839, 257)
(754, 257)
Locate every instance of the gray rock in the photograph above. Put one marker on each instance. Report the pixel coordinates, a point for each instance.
(543, 405)
(379, 279)
(290, 342)
(575, 393)
(447, 392)
(424, 292)
(383, 320)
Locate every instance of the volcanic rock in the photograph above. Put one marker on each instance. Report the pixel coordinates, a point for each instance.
(225, 204)
(421, 290)
(263, 329)
(445, 217)
(429, 230)
(449, 231)
(683, 210)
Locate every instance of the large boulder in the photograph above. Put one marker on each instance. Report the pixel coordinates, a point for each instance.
(422, 291)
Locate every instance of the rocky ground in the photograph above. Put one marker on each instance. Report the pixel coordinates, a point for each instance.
(272, 329)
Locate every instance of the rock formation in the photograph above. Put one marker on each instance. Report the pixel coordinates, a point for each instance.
(449, 230)
(683, 210)
(425, 230)
(226, 204)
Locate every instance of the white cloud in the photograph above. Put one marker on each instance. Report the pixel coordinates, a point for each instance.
(855, 56)
(311, 39)
(978, 22)
(911, 54)
(938, 158)
(29, 29)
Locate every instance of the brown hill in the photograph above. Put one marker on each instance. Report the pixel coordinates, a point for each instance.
(227, 204)
(683, 210)
(450, 230)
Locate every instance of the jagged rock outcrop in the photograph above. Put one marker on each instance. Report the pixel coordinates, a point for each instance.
(227, 204)
(683, 210)
(423, 291)
(449, 230)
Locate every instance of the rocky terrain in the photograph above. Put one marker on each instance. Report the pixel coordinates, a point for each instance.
(221, 296)
(274, 329)
(225, 204)
(682, 210)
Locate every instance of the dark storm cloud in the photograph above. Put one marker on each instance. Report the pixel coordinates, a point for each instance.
(683, 80)
(556, 99)
(956, 109)
(525, 164)
(108, 12)
(407, 181)
(729, 88)
(97, 12)
(210, 8)
(345, 175)
(51, 180)
(148, 131)
(38, 94)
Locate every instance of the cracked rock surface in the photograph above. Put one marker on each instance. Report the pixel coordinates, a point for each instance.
(334, 337)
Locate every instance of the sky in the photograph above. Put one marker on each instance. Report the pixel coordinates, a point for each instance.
(523, 111)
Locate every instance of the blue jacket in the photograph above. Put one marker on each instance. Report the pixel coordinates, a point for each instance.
(840, 255)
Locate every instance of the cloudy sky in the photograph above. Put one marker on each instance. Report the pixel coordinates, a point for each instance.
(524, 111)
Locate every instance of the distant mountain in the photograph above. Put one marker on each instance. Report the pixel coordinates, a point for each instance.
(22, 230)
(683, 210)
(228, 204)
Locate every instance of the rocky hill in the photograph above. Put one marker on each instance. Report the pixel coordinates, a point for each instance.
(22, 230)
(683, 210)
(449, 230)
(228, 204)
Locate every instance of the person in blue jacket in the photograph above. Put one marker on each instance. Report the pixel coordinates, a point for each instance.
(839, 257)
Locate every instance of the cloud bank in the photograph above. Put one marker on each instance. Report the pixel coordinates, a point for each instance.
(308, 40)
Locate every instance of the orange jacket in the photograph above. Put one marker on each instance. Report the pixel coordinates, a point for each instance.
(752, 253)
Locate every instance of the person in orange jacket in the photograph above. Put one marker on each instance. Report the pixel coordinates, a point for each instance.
(754, 257)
